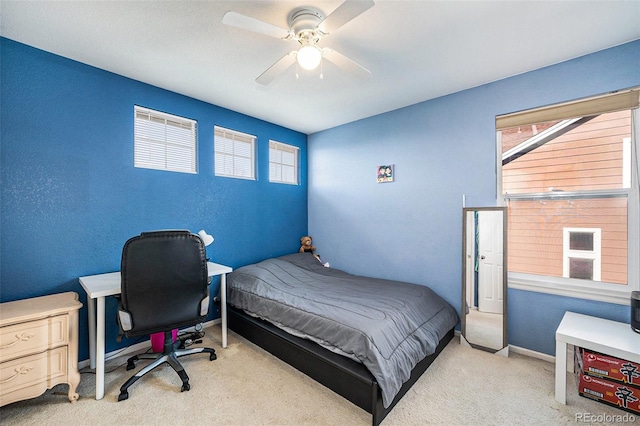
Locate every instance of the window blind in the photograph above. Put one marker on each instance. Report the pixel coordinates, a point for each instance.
(618, 101)
(164, 141)
(283, 163)
(234, 153)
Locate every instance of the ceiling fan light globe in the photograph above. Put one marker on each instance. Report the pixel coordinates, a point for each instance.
(309, 57)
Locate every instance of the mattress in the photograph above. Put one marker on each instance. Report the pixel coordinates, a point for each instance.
(389, 326)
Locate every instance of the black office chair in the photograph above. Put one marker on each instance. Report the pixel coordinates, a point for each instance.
(164, 287)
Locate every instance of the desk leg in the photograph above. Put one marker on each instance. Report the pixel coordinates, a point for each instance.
(91, 308)
(223, 308)
(100, 349)
(561, 372)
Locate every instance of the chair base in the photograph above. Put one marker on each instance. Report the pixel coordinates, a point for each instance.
(170, 356)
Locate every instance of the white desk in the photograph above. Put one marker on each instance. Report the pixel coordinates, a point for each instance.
(100, 286)
(600, 335)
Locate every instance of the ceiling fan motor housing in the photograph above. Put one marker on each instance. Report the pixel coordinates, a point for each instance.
(304, 22)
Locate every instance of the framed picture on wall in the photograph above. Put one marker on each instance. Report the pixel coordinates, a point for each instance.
(385, 173)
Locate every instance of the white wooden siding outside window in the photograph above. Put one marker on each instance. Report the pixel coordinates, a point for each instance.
(234, 154)
(283, 163)
(164, 141)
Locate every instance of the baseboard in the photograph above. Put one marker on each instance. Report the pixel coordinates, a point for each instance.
(146, 344)
(524, 351)
(140, 346)
(532, 354)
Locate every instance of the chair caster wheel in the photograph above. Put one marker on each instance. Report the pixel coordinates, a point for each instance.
(185, 387)
(212, 357)
(123, 395)
(131, 363)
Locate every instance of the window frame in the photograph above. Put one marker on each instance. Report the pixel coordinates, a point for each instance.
(573, 287)
(146, 139)
(283, 147)
(242, 138)
(595, 254)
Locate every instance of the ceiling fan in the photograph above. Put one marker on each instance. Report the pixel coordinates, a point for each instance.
(307, 25)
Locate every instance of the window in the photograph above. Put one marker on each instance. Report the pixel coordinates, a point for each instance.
(582, 253)
(283, 163)
(234, 153)
(163, 141)
(569, 176)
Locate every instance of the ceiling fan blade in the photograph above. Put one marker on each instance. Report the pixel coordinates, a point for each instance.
(277, 69)
(237, 20)
(343, 14)
(345, 63)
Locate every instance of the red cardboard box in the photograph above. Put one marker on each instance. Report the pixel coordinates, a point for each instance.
(612, 368)
(612, 393)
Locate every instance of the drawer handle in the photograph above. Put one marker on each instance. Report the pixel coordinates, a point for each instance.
(19, 338)
(21, 371)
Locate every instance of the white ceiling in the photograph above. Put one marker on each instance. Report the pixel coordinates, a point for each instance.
(415, 50)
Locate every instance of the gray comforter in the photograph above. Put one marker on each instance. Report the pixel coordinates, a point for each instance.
(389, 326)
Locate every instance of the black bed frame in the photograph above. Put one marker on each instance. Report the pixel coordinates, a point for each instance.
(342, 375)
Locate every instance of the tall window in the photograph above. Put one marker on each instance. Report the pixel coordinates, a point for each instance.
(234, 153)
(164, 141)
(283, 163)
(569, 176)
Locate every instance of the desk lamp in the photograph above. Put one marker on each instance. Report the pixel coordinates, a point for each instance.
(206, 238)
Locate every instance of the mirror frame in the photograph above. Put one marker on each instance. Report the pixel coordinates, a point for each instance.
(505, 286)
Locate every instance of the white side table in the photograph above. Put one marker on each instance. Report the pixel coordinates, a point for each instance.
(600, 335)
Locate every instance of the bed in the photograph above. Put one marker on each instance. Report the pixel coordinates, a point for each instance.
(367, 339)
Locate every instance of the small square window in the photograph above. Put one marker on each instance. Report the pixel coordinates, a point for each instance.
(581, 268)
(164, 141)
(283, 163)
(581, 241)
(234, 153)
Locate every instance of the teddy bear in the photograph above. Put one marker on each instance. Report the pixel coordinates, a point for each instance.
(305, 245)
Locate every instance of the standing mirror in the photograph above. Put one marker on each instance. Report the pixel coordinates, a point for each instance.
(484, 279)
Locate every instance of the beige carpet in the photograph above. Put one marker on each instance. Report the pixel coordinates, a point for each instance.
(247, 386)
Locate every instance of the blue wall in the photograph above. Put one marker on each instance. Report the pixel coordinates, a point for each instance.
(71, 196)
(442, 149)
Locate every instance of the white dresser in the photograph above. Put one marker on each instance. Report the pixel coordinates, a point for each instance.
(38, 346)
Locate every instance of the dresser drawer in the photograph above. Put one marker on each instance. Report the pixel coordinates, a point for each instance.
(32, 375)
(33, 337)
(38, 346)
